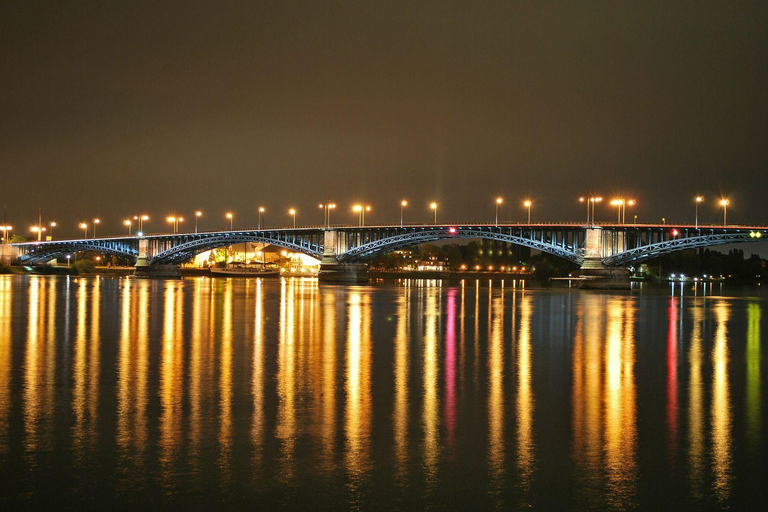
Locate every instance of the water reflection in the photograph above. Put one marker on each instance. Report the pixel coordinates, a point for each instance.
(86, 372)
(430, 418)
(721, 406)
(696, 421)
(171, 380)
(754, 397)
(524, 405)
(6, 363)
(401, 369)
(285, 393)
(604, 400)
(496, 445)
(358, 390)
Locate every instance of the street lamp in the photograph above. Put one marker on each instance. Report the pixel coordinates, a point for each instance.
(327, 206)
(38, 230)
(499, 200)
(140, 220)
(230, 217)
(197, 216)
(174, 221)
(95, 221)
(403, 204)
(127, 223)
(528, 204)
(53, 225)
(699, 199)
(6, 230)
(292, 212)
(261, 212)
(84, 227)
(724, 203)
(434, 207)
(360, 210)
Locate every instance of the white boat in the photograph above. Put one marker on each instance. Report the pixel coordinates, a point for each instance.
(240, 270)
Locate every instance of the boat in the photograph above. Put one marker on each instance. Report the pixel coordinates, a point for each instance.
(240, 270)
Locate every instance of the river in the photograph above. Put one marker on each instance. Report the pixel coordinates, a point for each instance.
(286, 394)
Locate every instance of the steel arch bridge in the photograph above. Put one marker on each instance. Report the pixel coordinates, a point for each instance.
(557, 240)
(609, 245)
(684, 239)
(34, 253)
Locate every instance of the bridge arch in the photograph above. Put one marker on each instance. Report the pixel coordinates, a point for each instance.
(46, 252)
(370, 250)
(187, 250)
(646, 252)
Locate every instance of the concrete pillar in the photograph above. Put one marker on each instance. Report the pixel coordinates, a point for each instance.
(144, 269)
(8, 254)
(331, 271)
(600, 244)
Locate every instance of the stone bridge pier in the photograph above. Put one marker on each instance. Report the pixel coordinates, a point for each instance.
(334, 271)
(144, 267)
(599, 244)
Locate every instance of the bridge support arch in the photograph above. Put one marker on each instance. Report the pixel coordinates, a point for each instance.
(333, 271)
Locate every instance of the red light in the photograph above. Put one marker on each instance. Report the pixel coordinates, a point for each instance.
(452, 231)
(674, 232)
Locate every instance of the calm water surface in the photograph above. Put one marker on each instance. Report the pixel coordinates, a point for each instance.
(417, 395)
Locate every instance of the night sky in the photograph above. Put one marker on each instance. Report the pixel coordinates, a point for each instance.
(109, 109)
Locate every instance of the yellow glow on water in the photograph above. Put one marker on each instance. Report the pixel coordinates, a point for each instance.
(525, 400)
(171, 379)
(496, 406)
(125, 371)
(696, 420)
(328, 297)
(358, 390)
(721, 408)
(258, 425)
(620, 409)
(32, 377)
(225, 382)
(6, 299)
(753, 377)
(430, 415)
(401, 371)
(286, 380)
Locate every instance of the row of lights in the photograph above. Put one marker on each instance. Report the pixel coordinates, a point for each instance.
(590, 201)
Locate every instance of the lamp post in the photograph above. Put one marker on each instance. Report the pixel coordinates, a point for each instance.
(630, 202)
(292, 212)
(174, 221)
(499, 200)
(699, 199)
(403, 204)
(127, 223)
(53, 225)
(95, 221)
(434, 207)
(327, 206)
(198, 214)
(6, 230)
(724, 203)
(618, 203)
(360, 210)
(140, 221)
(528, 203)
(84, 227)
(230, 217)
(261, 212)
(38, 230)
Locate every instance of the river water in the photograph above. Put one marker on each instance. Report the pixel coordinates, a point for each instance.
(406, 395)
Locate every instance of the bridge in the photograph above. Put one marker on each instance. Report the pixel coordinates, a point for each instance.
(599, 250)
